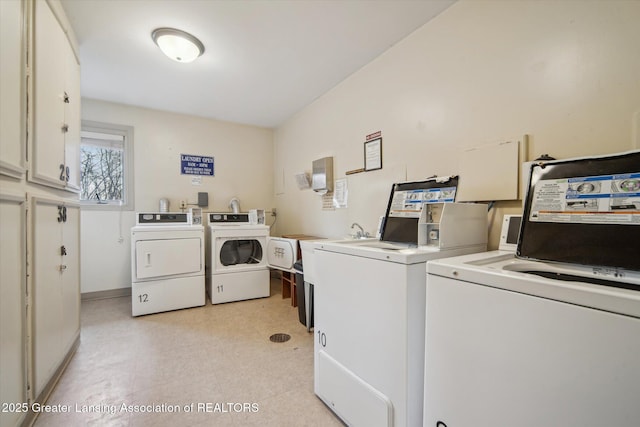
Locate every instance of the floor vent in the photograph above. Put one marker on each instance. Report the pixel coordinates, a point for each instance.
(280, 337)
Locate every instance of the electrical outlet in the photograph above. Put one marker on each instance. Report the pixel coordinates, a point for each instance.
(183, 204)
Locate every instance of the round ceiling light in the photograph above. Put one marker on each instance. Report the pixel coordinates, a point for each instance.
(177, 45)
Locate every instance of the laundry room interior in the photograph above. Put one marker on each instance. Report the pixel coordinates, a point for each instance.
(364, 213)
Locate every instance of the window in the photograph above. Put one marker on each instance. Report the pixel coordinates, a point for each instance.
(106, 172)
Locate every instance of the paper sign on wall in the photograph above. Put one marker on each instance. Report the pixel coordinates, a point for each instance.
(196, 165)
(340, 194)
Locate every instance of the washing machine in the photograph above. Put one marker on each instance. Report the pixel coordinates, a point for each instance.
(369, 299)
(167, 263)
(548, 335)
(506, 347)
(236, 258)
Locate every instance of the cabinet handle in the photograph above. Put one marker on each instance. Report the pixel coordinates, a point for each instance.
(63, 250)
(63, 267)
(66, 98)
(65, 128)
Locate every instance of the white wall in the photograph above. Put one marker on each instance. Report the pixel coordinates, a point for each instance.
(243, 168)
(564, 72)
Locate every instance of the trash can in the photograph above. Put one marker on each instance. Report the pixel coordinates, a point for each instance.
(304, 294)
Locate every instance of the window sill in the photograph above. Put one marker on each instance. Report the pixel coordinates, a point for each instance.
(104, 207)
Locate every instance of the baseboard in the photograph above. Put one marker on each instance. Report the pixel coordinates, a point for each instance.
(111, 293)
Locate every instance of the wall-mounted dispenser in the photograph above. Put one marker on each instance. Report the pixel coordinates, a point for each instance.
(322, 177)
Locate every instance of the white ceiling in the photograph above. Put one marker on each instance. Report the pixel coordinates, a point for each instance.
(264, 60)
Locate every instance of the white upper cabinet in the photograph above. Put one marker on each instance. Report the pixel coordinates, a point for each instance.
(55, 142)
(73, 121)
(12, 88)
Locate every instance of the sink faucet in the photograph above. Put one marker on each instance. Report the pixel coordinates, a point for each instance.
(360, 233)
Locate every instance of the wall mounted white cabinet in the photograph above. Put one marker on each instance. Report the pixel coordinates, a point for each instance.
(56, 112)
(13, 324)
(55, 284)
(12, 88)
(39, 226)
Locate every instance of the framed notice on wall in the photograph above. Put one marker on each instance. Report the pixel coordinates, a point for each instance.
(373, 154)
(196, 165)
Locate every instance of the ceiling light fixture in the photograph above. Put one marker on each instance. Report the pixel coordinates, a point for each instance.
(177, 45)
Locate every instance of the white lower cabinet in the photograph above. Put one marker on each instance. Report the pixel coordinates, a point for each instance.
(13, 321)
(55, 285)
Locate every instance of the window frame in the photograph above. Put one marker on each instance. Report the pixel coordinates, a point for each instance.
(128, 184)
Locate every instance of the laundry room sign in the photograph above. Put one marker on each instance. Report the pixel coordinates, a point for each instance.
(196, 165)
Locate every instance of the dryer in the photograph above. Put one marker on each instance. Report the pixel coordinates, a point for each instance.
(167, 263)
(236, 264)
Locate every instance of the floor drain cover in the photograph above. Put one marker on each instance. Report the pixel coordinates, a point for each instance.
(280, 337)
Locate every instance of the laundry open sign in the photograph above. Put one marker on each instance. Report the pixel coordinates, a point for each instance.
(196, 165)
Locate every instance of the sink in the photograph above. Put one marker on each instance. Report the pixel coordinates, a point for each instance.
(359, 240)
(373, 243)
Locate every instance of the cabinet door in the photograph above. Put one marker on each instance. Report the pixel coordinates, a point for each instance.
(48, 156)
(72, 120)
(12, 305)
(12, 88)
(47, 295)
(70, 276)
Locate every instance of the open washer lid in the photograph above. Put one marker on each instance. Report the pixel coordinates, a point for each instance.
(584, 211)
(400, 224)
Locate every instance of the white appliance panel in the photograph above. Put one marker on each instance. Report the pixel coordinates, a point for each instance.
(159, 258)
(337, 386)
(238, 286)
(501, 358)
(163, 295)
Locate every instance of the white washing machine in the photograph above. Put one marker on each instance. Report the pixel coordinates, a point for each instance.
(167, 263)
(548, 335)
(510, 348)
(236, 258)
(369, 300)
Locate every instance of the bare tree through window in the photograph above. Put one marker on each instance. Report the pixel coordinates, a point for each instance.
(102, 167)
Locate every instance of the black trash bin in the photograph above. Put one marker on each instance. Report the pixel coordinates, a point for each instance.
(304, 295)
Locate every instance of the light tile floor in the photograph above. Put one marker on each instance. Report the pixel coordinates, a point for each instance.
(213, 365)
